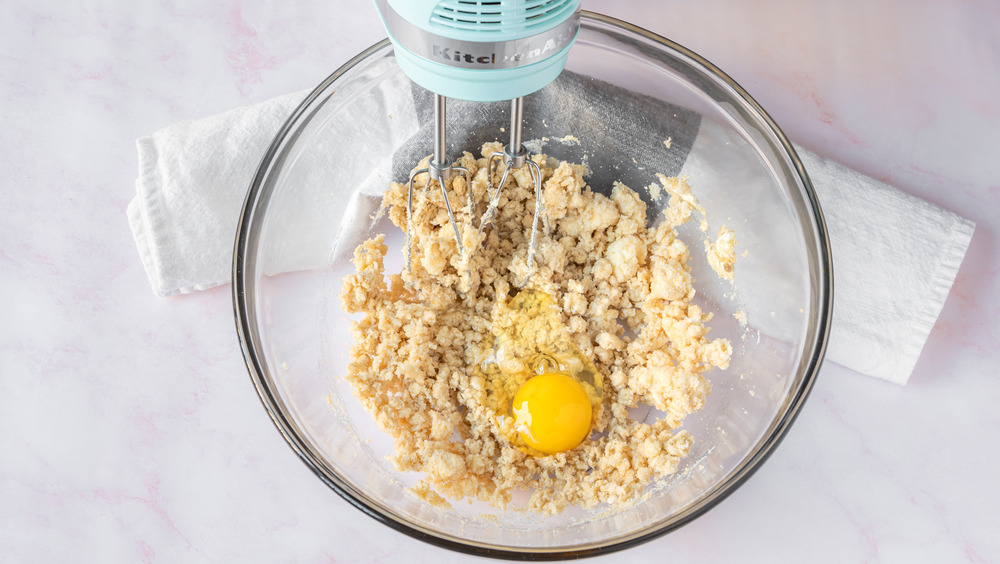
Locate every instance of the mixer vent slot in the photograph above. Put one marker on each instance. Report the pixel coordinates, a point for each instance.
(498, 15)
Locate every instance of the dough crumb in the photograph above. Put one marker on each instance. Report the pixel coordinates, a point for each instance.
(741, 316)
(722, 253)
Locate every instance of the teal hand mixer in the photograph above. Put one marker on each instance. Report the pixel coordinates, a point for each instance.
(481, 51)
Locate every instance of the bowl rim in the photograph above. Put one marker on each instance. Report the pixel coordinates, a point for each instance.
(244, 319)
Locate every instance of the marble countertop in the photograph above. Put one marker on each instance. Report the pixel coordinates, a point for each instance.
(130, 432)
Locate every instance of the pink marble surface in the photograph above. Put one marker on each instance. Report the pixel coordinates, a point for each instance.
(130, 432)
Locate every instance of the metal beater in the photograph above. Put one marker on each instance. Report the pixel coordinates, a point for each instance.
(514, 156)
(439, 169)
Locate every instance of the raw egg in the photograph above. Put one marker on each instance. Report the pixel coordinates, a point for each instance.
(552, 412)
(545, 391)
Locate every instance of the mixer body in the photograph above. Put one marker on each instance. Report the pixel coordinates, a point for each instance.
(483, 51)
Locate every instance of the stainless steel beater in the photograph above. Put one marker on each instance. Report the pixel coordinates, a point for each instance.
(514, 156)
(439, 169)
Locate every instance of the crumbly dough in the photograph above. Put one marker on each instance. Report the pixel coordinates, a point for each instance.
(625, 293)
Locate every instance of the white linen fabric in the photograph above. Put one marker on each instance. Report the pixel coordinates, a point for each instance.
(895, 256)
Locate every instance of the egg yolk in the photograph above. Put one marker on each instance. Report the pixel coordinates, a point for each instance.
(552, 412)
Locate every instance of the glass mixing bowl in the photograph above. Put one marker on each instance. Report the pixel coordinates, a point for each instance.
(311, 202)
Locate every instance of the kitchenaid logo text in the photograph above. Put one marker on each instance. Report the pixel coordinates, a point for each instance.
(550, 46)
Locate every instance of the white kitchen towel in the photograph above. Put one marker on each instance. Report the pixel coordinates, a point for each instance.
(193, 177)
(895, 259)
(895, 256)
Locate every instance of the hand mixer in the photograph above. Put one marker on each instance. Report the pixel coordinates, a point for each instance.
(480, 51)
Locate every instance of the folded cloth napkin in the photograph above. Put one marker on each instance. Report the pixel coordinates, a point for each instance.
(895, 256)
